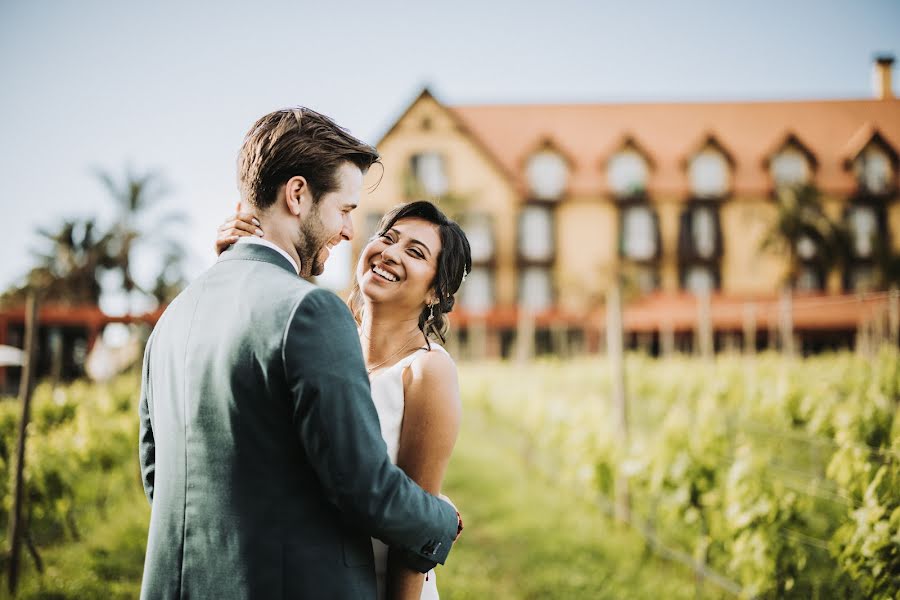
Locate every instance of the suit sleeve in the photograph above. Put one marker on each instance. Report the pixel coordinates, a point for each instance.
(338, 427)
(146, 442)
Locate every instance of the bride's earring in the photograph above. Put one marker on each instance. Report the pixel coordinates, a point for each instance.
(431, 313)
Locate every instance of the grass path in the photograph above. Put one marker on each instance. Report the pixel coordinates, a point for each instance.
(524, 538)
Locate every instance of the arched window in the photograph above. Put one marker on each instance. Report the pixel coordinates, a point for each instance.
(536, 288)
(547, 174)
(866, 221)
(639, 232)
(873, 169)
(863, 225)
(480, 233)
(430, 173)
(627, 172)
(709, 173)
(700, 246)
(477, 292)
(536, 237)
(704, 231)
(790, 167)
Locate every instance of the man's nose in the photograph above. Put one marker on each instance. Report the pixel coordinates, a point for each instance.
(347, 229)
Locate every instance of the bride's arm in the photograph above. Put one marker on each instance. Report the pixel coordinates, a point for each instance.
(431, 418)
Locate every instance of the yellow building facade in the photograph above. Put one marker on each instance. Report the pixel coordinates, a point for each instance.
(678, 199)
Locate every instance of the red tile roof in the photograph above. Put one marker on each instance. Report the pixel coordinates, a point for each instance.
(832, 130)
(84, 315)
(810, 312)
(679, 312)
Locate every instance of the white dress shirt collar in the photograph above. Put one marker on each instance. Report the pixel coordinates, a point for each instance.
(252, 239)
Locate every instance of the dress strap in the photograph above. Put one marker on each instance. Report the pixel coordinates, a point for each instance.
(408, 360)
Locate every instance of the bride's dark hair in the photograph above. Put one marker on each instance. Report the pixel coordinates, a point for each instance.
(454, 261)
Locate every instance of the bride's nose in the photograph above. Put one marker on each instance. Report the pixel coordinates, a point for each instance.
(390, 253)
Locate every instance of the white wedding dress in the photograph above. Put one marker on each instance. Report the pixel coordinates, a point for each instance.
(387, 393)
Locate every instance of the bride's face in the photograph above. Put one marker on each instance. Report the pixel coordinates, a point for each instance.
(399, 267)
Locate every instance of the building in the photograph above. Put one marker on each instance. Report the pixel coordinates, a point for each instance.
(65, 336)
(560, 200)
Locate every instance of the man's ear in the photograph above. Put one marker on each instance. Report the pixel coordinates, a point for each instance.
(296, 196)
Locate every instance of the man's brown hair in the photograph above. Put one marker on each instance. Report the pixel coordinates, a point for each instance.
(296, 141)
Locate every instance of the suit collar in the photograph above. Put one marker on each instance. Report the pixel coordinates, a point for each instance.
(257, 252)
(252, 239)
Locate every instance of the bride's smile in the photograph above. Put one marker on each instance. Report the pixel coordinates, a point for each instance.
(400, 264)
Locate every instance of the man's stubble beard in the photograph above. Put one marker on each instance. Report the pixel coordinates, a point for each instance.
(309, 246)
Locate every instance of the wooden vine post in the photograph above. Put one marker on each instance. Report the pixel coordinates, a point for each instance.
(26, 386)
(615, 350)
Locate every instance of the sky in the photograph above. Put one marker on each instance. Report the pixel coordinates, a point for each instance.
(172, 87)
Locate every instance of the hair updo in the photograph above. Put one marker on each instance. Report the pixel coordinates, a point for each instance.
(454, 261)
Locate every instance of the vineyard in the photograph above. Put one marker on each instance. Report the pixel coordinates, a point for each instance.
(767, 477)
(85, 511)
(760, 477)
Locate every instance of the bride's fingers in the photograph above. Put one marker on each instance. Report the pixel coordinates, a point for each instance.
(237, 224)
(246, 217)
(240, 227)
(223, 242)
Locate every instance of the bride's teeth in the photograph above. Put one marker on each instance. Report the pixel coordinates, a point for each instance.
(384, 274)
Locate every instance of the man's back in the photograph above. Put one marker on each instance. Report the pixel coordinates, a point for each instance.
(244, 486)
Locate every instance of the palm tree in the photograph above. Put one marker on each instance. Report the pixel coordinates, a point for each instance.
(137, 195)
(804, 232)
(170, 280)
(71, 263)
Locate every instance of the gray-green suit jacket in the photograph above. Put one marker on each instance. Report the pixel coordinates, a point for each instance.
(260, 447)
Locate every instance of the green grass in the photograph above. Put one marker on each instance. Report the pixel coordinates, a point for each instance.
(527, 538)
(106, 562)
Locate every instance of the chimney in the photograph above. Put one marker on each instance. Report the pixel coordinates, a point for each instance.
(881, 77)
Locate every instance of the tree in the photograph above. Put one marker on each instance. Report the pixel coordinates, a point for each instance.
(805, 233)
(69, 265)
(74, 257)
(170, 280)
(136, 196)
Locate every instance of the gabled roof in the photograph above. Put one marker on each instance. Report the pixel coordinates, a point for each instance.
(867, 134)
(426, 95)
(669, 132)
(627, 141)
(545, 143)
(708, 139)
(791, 139)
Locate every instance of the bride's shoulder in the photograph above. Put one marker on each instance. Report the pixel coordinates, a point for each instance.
(434, 368)
(436, 359)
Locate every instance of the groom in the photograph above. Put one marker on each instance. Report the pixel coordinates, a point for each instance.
(260, 447)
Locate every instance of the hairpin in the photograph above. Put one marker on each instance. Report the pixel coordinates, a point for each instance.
(465, 273)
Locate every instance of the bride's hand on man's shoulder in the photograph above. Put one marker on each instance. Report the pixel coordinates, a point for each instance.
(459, 526)
(237, 225)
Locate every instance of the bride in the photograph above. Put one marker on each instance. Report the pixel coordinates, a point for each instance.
(406, 280)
